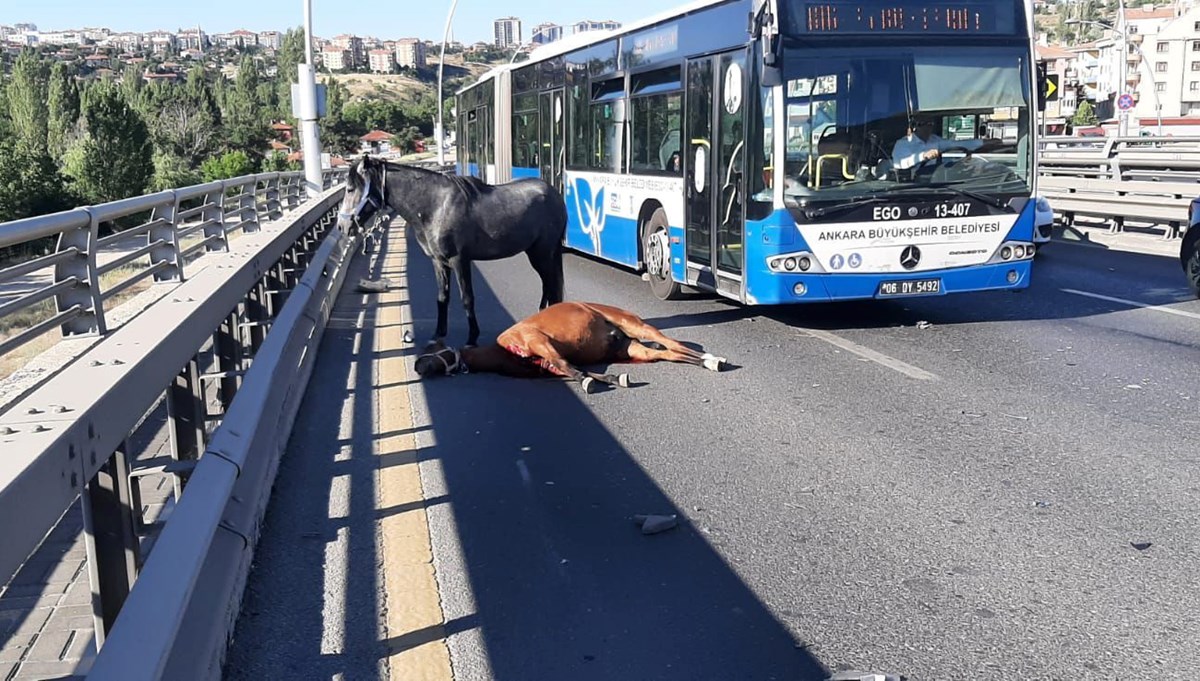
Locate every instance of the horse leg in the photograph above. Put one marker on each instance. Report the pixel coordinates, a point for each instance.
(462, 267)
(442, 272)
(548, 266)
(620, 380)
(551, 359)
(637, 352)
(635, 327)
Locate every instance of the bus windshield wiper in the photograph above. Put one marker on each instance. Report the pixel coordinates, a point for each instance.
(842, 207)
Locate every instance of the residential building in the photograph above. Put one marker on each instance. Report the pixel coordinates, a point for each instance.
(410, 53)
(1060, 62)
(270, 39)
(353, 45)
(336, 59)
(1173, 81)
(160, 41)
(191, 39)
(545, 33)
(506, 32)
(376, 142)
(589, 25)
(381, 61)
(125, 42)
(61, 38)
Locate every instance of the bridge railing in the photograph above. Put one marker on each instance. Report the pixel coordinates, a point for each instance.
(172, 228)
(1149, 180)
(225, 356)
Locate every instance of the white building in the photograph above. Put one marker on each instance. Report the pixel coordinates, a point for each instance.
(270, 39)
(589, 25)
(335, 59)
(545, 33)
(507, 32)
(381, 61)
(1173, 82)
(410, 53)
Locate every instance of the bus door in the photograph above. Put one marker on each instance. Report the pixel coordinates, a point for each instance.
(553, 130)
(714, 174)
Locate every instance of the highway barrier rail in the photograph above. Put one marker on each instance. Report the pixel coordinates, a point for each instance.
(1148, 180)
(226, 352)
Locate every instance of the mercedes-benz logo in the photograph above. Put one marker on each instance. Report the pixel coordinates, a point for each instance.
(910, 257)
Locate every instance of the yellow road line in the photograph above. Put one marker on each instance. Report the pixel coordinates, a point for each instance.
(416, 645)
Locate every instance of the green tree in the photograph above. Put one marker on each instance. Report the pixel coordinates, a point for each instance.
(245, 126)
(114, 157)
(172, 172)
(64, 108)
(227, 165)
(27, 92)
(338, 135)
(1085, 115)
(289, 56)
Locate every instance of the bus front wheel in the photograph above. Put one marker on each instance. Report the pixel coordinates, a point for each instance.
(656, 249)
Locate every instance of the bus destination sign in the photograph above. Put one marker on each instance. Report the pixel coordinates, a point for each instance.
(944, 18)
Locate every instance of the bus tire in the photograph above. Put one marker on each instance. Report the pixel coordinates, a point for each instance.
(656, 253)
(1189, 257)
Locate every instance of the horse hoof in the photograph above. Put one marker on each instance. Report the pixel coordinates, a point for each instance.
(589, 385)
(713, 363)
(623, 380)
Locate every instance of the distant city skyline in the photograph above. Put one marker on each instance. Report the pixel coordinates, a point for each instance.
(369, 18)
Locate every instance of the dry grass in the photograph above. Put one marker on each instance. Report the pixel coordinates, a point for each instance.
(17, 322)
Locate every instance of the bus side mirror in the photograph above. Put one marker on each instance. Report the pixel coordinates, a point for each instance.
(1041, 86)
(770, 76)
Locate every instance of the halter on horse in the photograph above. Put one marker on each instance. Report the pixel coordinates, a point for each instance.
(456, 365)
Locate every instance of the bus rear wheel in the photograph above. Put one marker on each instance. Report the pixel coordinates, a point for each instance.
(656, 249)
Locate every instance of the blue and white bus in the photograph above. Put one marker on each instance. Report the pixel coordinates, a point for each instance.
(777, 151)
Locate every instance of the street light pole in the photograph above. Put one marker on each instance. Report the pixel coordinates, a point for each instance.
(439, 134)
(306, 100)
(1124, 75)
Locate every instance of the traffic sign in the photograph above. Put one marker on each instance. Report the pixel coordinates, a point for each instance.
(1052, 87)
(1125, 102)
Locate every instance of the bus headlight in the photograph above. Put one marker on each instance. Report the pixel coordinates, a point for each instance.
(789, 264)
(1006, 253)
(805, 263)
(800, 289)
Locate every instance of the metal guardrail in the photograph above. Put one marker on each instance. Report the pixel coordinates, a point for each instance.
(70, 436)
(1124, 179)
(181, 225)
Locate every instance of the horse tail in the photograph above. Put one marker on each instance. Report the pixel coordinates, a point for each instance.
(557, 292)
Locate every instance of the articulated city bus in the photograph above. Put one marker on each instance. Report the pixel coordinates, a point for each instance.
(779, 151)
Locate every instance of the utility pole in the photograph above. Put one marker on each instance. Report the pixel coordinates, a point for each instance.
(305, 103)
(439, 132)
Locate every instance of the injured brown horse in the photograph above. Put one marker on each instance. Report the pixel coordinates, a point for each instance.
(555, 341)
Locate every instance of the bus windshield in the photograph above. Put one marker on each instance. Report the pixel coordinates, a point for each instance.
(880, 121)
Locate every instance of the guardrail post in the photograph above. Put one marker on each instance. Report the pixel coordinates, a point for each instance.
(111, 539)
(169, 252)
(186, 412)
(227, 345)
(257, 316)
(214, 219)
(85, 294)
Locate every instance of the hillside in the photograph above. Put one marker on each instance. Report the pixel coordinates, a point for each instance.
(405, 87)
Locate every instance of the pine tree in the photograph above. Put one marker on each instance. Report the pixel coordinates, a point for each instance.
(27, 95)
(115, 157)
(64, 109)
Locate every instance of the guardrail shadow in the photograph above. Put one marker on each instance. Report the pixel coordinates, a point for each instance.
(311, 605)
(564, 584)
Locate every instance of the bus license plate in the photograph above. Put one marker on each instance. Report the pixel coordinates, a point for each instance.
(910, 287)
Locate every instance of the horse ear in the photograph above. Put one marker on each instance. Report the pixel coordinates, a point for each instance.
(362, 167)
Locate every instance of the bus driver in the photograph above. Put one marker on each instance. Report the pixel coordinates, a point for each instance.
(922, 144)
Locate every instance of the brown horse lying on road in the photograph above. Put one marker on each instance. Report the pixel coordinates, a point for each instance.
(561, 337)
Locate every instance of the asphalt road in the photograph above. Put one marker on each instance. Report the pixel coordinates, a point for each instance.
(953, 501)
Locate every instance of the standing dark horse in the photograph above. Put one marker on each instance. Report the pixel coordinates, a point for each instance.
(460, 219)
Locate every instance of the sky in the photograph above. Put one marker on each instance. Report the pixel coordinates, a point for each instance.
(424, 19)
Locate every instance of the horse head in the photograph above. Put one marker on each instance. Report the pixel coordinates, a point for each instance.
(439, 359)
(365, 192)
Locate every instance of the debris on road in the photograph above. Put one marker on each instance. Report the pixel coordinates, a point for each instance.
(408, 337)
(374, 286)
(852, 675)
(1019, 418)
(972, 414)
(1140, 545)
(1133, 386)
(653, 524)
(923, 325)
(1043, 504)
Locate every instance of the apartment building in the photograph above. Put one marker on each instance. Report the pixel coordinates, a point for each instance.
(381, 61)
(410, 53)
(506, 32)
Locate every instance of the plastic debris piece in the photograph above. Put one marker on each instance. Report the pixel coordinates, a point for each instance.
(374, 286)
(1140, 545)
(853, 675)
(408, 337)
(923, 325)
(653, 524)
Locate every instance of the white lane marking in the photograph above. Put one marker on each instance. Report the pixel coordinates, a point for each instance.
(877, 357)
(1134, 303)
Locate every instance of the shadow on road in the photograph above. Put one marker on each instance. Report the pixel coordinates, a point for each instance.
(564, 583)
